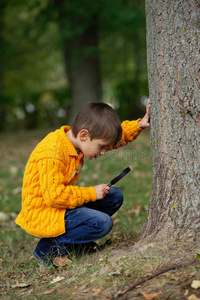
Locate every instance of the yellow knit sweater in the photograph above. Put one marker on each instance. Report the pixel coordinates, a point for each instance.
(49, 182)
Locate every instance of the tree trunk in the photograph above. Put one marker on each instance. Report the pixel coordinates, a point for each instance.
(81, 56)
(83, 70)
(174, 87)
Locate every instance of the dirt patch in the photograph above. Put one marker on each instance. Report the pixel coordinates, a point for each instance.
(110, 272)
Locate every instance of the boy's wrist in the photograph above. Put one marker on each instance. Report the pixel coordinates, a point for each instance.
(140, 123)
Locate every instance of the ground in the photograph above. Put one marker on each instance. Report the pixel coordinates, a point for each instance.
(124, 259)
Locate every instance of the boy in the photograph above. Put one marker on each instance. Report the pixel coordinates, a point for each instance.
(65, 216)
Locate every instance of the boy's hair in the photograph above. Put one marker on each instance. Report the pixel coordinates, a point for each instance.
(100, 120)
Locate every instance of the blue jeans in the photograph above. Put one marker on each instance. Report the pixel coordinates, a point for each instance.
(83, 224)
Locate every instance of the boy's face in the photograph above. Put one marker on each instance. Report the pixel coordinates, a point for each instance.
(92, 148)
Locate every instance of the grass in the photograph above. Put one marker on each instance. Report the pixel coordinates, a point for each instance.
(93, 276)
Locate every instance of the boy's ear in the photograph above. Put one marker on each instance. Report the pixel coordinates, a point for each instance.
(84, 135)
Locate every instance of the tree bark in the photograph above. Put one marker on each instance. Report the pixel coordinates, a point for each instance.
(82, 63)
(173, 61)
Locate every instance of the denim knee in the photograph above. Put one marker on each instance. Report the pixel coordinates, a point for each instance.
(103, 225)
(117, 195)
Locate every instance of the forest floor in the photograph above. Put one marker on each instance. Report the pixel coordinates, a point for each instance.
(169, 270)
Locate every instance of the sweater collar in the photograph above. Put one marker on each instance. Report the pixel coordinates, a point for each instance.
(70, 148)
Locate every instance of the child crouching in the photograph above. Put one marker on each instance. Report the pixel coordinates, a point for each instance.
(67, 217)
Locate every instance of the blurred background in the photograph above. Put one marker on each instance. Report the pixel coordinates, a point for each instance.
(57, 55)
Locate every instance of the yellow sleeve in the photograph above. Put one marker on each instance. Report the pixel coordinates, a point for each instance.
(130, 131)
(54, 188)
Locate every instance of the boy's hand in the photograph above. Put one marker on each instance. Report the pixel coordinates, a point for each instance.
(145, 120)
(101, 190)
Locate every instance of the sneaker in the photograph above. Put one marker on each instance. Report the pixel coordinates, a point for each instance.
(45, 251)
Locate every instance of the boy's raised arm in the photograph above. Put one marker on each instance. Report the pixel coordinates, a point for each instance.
(131, 129)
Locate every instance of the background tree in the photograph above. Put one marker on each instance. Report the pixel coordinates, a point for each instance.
(173, 29)
(97, 38)
(31, 63)
(79, 27)
(3, 59)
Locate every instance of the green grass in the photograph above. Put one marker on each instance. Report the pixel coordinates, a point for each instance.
(95, 276)
(16, 246)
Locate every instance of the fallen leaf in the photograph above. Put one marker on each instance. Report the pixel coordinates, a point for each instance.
(49, 291)
(186, 292)
(61, 261)
(57, 279)
(115, 220)
(17, 190)
(13, 170)
(97, 292)
(136, 209)
(193, 297)
(4, 216)
(150, 296)
(195, 284)
(82, 287)
(46, 274)
(20, 285)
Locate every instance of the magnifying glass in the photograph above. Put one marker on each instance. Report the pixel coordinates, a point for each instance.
(120, 176)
